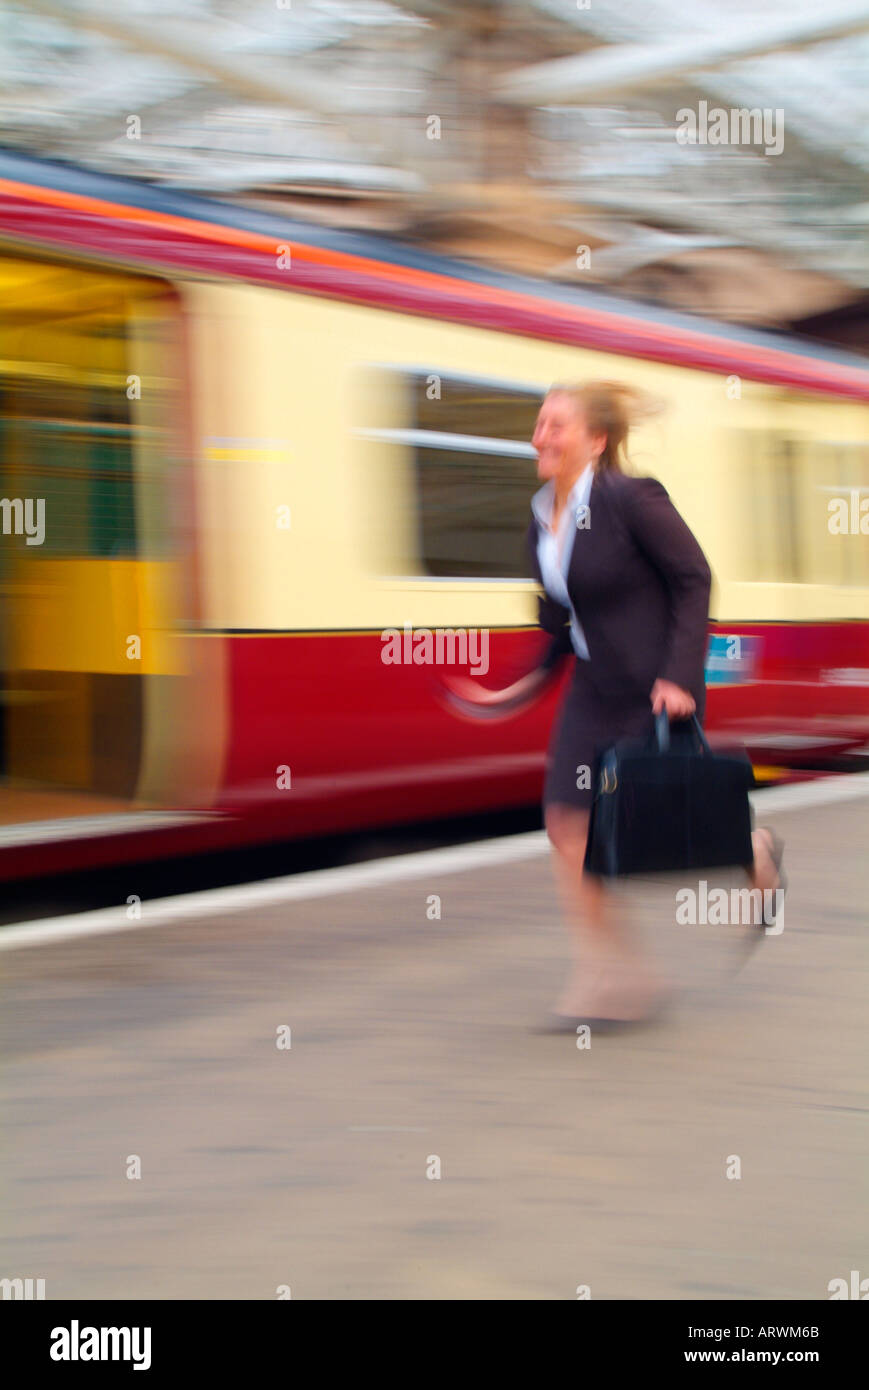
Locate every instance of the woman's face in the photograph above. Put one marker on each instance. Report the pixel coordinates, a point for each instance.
(562, 439)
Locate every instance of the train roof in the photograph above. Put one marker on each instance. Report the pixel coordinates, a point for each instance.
(183, 208)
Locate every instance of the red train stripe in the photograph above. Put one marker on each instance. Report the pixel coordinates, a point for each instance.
(163, 240)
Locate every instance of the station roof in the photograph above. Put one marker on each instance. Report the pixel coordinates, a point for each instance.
(540, 136)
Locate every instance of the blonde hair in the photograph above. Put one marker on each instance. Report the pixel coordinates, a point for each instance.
(610, 408)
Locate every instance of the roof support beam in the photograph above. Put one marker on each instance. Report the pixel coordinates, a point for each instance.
(185, 42)
(613, 71)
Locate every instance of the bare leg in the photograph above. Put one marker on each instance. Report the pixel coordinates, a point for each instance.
(608, 978)
(763, 873)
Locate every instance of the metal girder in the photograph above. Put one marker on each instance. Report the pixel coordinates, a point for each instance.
(613, 71)
(186, 43)
(235, 174)
(639, 246)
(721, 217)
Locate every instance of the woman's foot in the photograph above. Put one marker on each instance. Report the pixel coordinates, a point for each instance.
(621, 990)
(768, 875)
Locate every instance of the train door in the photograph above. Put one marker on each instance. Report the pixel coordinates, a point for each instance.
(86, 452)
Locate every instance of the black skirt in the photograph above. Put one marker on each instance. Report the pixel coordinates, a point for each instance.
(585, 725)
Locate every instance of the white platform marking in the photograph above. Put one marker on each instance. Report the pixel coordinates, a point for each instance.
(323, 883)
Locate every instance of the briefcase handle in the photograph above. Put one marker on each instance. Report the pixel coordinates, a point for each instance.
(662, 732)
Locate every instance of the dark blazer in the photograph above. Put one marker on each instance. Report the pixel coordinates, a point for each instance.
(640, 585)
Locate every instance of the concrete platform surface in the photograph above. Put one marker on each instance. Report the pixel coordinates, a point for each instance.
(412, 1040)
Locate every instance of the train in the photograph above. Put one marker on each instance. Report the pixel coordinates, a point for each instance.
(243, 457)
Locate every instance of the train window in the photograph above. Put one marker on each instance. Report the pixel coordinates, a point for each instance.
(71, 445)
(843, 492)
(802, 507)
(473, 470)
(77, 429)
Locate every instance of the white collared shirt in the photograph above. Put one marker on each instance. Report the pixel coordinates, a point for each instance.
(553, 572)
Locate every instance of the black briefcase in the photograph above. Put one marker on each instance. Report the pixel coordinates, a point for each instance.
(669, 803)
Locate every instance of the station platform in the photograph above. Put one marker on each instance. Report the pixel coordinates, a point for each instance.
(311, 1167)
